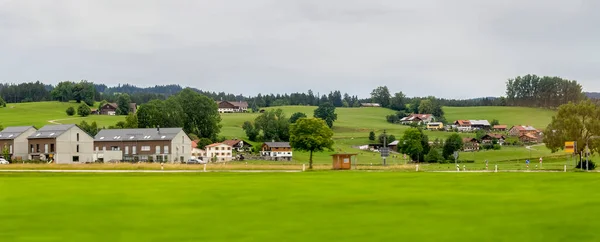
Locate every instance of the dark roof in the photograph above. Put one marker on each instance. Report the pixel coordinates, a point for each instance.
(10, 133)
(224, 104)
(137, 134)
(51, 131)
(278, 144)
(233, 142)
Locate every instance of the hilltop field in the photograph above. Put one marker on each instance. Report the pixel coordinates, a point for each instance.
(351, 129)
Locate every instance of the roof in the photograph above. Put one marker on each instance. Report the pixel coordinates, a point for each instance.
(494, 136)
(51, 131)
(524, 128)
(531, 136)
(395, 143)
(435, 123)
(239, 104)
(10, 133)
(216, 144)
(463, 122)
(233, 142)
(137, 134)
(500, 127)
(112, 105)
(278, 144)
(416, 116)
(370, 104)
(466, 140)
(480, 122)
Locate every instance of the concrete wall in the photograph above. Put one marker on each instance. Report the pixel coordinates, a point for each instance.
(108, 155)
(181, 145)
(66, 147)
(21, 144)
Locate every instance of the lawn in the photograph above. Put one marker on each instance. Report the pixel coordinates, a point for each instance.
(311, 206)
(39, 114)
(539, 118)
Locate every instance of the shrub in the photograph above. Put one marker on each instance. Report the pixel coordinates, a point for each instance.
(581, 165)
(497, 147)
(70, 111)
(84, 110)
(434, 156)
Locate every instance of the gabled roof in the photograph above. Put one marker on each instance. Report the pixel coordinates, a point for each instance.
(217, 144)
(414, 117)
(524, 128)
(395, 143)
(137, 134)
(234, 142)
(51, 131)
(278, 144)
(10, 133)
(480, 122)
(500, 127)
(531, 136)
(370, 105)
(493, 136)
(240, 104)
(463, 122)
(468, 140)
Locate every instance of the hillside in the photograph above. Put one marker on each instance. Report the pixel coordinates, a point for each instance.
(352, 128)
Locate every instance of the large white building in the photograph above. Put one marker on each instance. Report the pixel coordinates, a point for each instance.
(219, 152)
(62, 144)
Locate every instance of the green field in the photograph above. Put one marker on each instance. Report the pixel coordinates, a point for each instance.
(351, 129)
(311, 206)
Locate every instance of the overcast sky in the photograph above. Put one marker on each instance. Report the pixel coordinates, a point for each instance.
(454, 49)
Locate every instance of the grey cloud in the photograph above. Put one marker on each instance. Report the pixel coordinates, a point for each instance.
(457, 49)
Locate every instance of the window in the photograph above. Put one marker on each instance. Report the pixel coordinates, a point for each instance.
(52, 148)
(46, 148)
(77, 137)
(157, 149)
(37, 148)
(75, 158)
(228, 148)
(115, 148)
(127, 150)
(77, 149)
(10, 149)
(134, 149)
(104, 148)
(31, 148)
(166, 149)
(145, 148)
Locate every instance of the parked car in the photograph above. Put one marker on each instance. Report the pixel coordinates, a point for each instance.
(3, 161)
(195, 161)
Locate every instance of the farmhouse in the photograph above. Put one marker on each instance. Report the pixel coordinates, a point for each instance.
(232, 107)
(239, 145)
(489, 138)
(111, 109)
(528, 138)
(394, 145)
(277, 150)
(370, 105)
(418, 119)
(500, 128)
(520, 130)
(480, 124)
(65, 143)
(463, 125)
(219, 152)
(14, 140)
(470, 144)
(160, 145)
(435, 126)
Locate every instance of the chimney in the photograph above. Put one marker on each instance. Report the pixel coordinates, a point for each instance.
(158, 128)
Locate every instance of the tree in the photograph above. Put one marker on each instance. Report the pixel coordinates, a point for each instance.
(92, 129)
(123, 102)
(312, 135)
(274, 126)
(131, 121)
(372, 136)
(83, 110)
(6, 153)
(411, 143)
(398, 102)
(494, 122)
(479, 134)
(381, 95)
(453, 143)
(326, 111)
(70, 111)
(2, 103)
(575, 122)
(102, 103)
(414, 105)
(200, 114)
(391, 138)
(84, 91)
(434, 156)
(426, 106)
(251, 131)
(203, 142)
(383, 138)
(297, 116)
(63, 91)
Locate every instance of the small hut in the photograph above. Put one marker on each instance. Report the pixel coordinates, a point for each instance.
(343, 161)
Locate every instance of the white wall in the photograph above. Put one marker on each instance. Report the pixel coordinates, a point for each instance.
(181, 145)
(217, 150)
(21, 144)
(66, 147)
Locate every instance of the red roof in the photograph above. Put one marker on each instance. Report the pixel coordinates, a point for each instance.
(463, 122)
(231, 142)
(500, 126)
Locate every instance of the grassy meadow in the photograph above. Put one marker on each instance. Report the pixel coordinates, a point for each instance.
(309, 206)
(351, 129)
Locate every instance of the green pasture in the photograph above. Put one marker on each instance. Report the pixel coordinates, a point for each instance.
(538, 118)
(39, 114)
(310, 206)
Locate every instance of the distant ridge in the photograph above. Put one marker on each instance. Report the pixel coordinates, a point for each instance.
(592, 95)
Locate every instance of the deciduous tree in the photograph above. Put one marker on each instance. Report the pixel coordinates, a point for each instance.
(297, 116)
(312, 135)
(123, 102)
(381, 95)
(411, 143)
(83, 110)
(326, 111)
(453, 143)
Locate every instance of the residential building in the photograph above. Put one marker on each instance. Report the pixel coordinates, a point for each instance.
(277, 150)
(394, 145)
(418, 119)
(111, 109)
(14, 139)
(62, 144)
(197, 152)
(470, 144)
(219, 152)
(520, 130)
(435, 126)
(500, 128)
(489, 138)
(528, 138)
(463, 125)
(370, 105)
(232, 107)
(151, 145)
(239, 145)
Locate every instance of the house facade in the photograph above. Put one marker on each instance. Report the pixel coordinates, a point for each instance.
(219, 152)
(489, 138)
(435, 126)
(232, 107)
(463, 125)
(520, 130)
(470, 144)
(197, 153)
(418, 119)
(480, 124)
(149, 145)
(277, 150)
(14, 139)
(61, 144)
(111, 109)
(239, 145)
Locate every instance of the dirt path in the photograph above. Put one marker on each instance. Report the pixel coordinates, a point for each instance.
(55, 121)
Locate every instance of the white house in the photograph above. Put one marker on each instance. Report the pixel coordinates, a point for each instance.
(219, 152)
(277, 150)
(62, 144)
(14, 139)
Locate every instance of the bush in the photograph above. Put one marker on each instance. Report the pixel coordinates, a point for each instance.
(434, 156)
(497, 147)
(84, 110)
(581, 165)
(70, 111)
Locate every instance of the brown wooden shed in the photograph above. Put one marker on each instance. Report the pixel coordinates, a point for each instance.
(343, 161)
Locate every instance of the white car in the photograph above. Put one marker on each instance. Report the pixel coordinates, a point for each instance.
(3, 161)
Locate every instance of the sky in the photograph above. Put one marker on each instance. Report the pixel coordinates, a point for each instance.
(451, 49)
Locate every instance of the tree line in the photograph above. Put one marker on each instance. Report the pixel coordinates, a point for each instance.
(542, 91)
